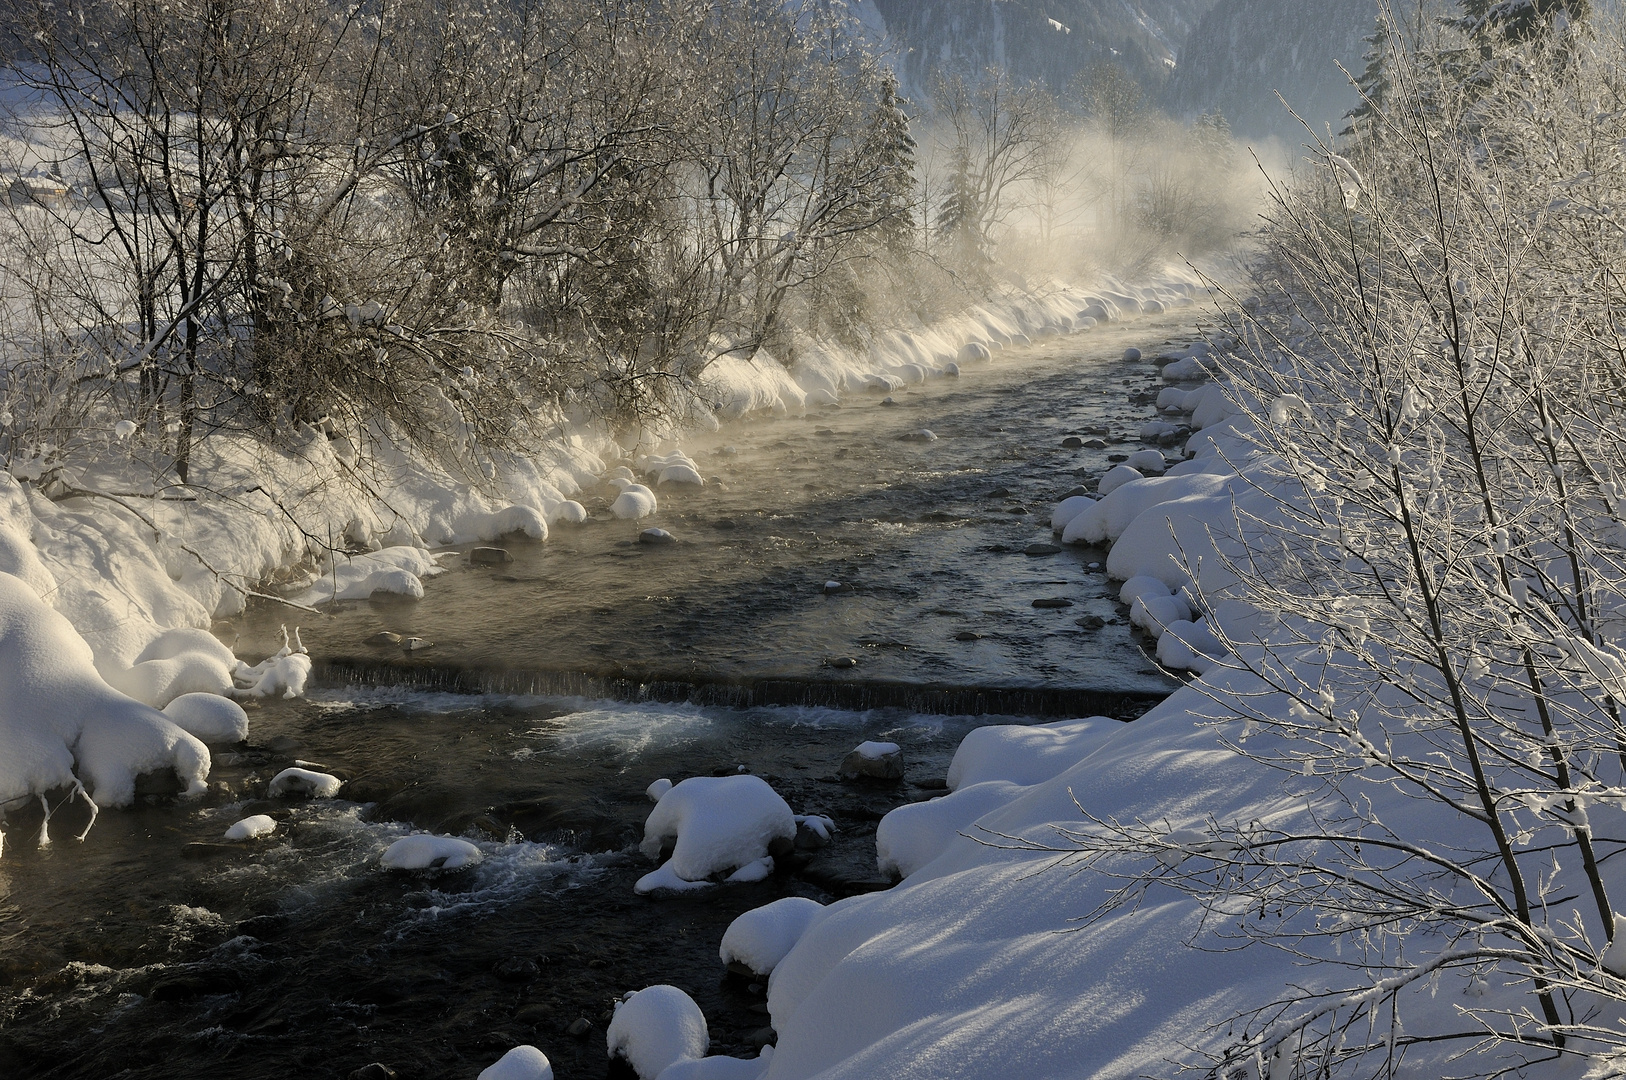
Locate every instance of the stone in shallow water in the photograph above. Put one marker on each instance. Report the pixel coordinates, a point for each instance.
(1041, 549)
(489, 556)
(1052, 602)
(385, 637)
(1072, 442)
(968, 635)
(873, 761)
(656, 536)
(843, 662)
(416, 644)
(1092, 622)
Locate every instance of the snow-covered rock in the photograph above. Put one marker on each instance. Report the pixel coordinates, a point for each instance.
(715, 824)
(761, 937)
(303, 783)
(423, 851)
(397, 570)
(874, 760)
(635, 501)
(655, 1027)
(252, 827)
(210, 717)
(520, 1063)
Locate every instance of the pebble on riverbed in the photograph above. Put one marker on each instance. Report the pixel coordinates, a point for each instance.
(656, 536)
(1052, 602)
(1041, 549)
(385, 637)
(842, 661)
(489, 556)
(416, 644)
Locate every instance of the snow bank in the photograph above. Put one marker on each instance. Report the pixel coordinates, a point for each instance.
(1023, 754)
(63, 726)
(655, 1027)
(715, 823)
(761, 937)
(910, 837)
(520, 1063)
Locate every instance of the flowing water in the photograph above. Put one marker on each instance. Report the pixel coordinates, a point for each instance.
(558, 686)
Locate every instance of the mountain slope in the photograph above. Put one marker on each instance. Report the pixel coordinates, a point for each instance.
(1243, 51)
(1051, 40)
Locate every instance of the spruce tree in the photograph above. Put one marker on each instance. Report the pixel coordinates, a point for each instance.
(1517, 21)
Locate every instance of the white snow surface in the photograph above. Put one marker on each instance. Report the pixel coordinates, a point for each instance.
(520, 1063)
(761, 937)
(717, 823)
(655, 1027)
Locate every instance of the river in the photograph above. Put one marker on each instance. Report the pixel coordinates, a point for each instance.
(558, 686)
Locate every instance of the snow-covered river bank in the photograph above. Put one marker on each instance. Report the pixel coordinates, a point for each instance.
(843, 553)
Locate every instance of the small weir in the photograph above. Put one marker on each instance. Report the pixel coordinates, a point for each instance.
(854, 695)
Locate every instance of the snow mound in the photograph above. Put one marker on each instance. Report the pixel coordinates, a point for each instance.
(520, 1063)
(509, 521)
(716, 823)
(655, 790)
(1067, 510)
(635, 501)
(303, 783)
(570, 512)
(761, 937)
(909, 837)
(423, 851)
(20, 559)
(252, 828)
(398, 570)
(1116, 477)
(655, 1027)
(57, 714)
(1147, 462)
(212, 718)
(1025, 754)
